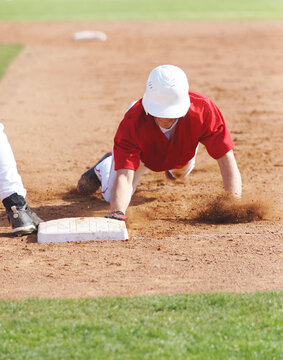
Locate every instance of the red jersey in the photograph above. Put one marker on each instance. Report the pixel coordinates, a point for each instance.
(139, 138)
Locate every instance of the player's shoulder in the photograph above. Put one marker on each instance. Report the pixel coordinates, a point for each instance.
(197, 98)
(134, 110)
(201, 103)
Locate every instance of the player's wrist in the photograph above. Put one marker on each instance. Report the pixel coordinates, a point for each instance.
(116, 215)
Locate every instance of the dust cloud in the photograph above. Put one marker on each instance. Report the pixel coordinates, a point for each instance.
(224, 209)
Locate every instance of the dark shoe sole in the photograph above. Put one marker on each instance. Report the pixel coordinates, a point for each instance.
(169, 175)
(89, 182)
(24, 230)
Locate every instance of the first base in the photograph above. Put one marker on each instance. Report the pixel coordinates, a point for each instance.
(81, 229)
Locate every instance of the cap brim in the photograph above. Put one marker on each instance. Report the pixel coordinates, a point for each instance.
(171, 112)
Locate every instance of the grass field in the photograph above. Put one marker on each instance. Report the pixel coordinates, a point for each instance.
(140, 10)
(215, 326)
(7, 53)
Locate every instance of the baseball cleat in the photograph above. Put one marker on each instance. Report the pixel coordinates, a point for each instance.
(36, 219)
(23, 220)
(89, 182)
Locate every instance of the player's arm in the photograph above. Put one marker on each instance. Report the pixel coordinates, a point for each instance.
(230, 174)
(122, 190)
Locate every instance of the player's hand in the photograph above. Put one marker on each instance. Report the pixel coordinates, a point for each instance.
(116, 215)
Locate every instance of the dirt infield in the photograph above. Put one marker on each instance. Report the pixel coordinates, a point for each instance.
(61, 102)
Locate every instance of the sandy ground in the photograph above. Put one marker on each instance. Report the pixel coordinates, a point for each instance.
(61, 102)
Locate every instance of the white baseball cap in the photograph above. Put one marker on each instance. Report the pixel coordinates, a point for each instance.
(167, 92)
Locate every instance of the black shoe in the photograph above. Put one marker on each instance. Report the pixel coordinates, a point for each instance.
(36, 219)
(20, 216)
(21, 220)
(89, 182)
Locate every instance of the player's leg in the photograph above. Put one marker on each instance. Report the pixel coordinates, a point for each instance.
(103, 174)
(106, 173)
(90, 181)
(10, 180)
(12, 191)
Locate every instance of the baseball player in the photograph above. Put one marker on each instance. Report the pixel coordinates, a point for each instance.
(12, 192)
(161, 132)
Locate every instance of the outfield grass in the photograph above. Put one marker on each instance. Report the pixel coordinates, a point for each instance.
(141, 10)
(7, 53)
(215, 326)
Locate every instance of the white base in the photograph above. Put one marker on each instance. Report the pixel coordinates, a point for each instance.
(89, 35)
(81, 229)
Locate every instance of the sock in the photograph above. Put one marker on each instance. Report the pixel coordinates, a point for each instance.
(14, 200)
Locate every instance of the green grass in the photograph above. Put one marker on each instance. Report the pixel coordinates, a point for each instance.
(141, 10)
(7, 53)
(215, 326)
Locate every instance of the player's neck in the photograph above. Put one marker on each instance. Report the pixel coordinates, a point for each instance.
(165, 123)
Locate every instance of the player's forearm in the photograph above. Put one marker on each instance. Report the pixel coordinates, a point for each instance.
(232, 183)
(122, 191)
(231, 176)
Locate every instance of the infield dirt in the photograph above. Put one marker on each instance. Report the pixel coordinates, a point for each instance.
(61, 102)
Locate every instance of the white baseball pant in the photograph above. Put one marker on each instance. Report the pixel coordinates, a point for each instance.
(10, 180)
(106, 173)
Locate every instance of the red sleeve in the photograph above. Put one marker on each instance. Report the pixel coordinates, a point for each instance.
(215, 135)
(126, 152)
